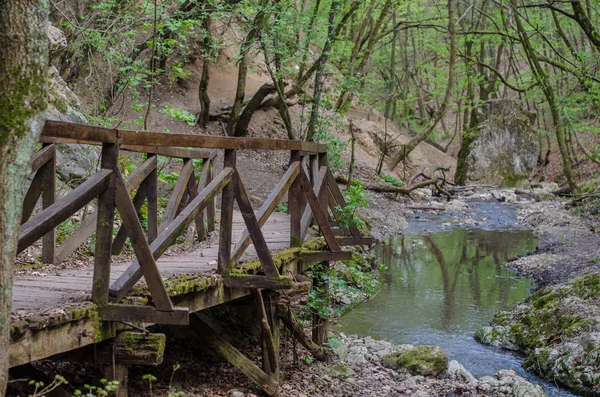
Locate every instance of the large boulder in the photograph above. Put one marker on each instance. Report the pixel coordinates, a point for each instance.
(502, 149)
(420, 360)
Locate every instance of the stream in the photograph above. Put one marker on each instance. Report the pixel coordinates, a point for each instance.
(446, 278)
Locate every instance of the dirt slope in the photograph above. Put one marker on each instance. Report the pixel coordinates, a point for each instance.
(369, 133)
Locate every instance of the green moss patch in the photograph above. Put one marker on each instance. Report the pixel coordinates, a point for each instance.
(420, 360)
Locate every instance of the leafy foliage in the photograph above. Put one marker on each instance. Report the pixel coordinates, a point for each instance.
(348, 286)
(390, 179)
(356, 198)
(179, 115)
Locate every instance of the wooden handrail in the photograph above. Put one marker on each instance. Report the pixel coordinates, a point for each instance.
(61, 132)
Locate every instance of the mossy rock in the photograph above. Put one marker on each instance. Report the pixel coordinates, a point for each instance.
(420, 360)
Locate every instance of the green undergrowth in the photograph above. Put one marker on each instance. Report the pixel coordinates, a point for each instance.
(339, 289)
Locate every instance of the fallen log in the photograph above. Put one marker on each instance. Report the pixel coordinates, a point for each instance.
(406, 191)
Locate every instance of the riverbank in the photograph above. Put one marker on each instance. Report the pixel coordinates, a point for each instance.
(355, 370)
(558, 327)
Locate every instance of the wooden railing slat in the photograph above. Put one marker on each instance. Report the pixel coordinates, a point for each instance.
(204, 180)
(176, 152)
(88, 226)
(215, 142)
(177, 194)
(319, 186)
(268, 207)
(339, 199)
(318, 213)
(81, 132)
(210, 209)
(55, 131)
(48, 219)
(141, 248)
(42, 156)
(122, 234)
(133, 273)
(260, 245)
(198, 220)
(31, 197)
(152, 197)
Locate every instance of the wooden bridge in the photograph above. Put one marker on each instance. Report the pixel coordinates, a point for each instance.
(258, 252)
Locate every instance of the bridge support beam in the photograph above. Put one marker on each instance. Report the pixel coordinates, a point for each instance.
(270, 335)
(129, 348)
(226, 350)
(320, 325)
(120, 373)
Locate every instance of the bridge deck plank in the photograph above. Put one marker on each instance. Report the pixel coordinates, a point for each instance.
(54, 289)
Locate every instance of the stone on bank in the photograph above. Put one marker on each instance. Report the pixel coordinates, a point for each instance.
(420, 360)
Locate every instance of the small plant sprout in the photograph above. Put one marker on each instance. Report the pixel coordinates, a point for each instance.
(150, 378)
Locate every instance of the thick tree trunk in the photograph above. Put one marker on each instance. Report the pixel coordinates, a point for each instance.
(204, 116)
(23, 99)
(241, 127)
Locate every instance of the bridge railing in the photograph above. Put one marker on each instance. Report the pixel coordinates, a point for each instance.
(313, 196)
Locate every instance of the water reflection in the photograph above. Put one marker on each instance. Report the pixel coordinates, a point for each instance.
(439, 288)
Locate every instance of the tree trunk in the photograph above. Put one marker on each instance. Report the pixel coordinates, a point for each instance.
(203, 88)
(241, 127)
(543, 79)
(240, 92)
(447, 96)
(23, 100)
(314, 114)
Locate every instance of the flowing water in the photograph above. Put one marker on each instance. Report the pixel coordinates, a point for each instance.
(441, 286)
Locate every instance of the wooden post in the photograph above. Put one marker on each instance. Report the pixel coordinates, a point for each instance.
(295, 206)
(120, 373)
(227, 199)
(192, 194)
(152, 196)
(267, 305)
(210, 210)
(313, 168)
(323, 196)
(104, 228)
(320, 326)
(48, 174)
